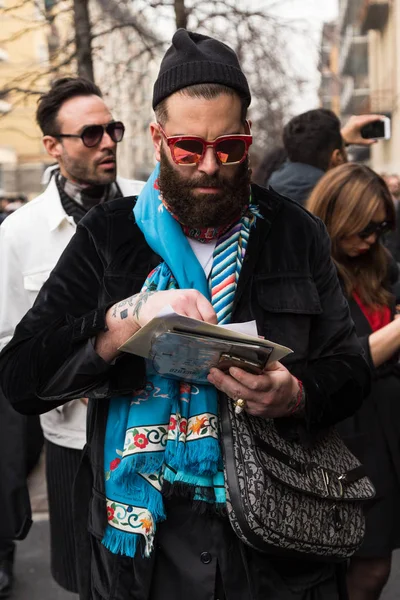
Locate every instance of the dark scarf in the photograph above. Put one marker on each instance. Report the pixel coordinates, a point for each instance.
(77, 199)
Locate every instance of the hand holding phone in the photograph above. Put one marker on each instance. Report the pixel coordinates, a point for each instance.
(358, 128)
(379, 129)
(227, 361)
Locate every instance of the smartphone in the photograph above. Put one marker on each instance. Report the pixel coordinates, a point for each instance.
(229, 360)
(379, 129)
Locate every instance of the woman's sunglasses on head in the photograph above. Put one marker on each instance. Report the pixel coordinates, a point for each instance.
(92, 134)
(374, 228)
(188, 150)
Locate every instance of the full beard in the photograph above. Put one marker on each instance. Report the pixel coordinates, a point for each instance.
(204, 210)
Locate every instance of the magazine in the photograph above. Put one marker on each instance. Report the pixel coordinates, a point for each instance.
(182, 348)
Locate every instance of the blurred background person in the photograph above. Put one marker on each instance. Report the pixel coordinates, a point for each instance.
(315, 143)
(9, 204)
(392, 239)
(393, 183)
(3, 203)
(357, 208)
(79, 133)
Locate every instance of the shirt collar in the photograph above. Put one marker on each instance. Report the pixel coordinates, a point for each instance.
(55, 212)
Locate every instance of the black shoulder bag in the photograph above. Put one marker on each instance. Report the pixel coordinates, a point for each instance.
(289, 497)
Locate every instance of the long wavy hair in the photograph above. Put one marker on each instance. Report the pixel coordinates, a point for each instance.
(346, 199)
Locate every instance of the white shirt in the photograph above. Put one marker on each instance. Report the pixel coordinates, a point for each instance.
(204, 253)
(32, 240)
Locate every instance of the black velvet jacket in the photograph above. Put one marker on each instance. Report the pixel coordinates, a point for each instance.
(288, 284)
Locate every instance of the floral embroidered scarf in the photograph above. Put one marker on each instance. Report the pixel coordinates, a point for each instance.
(165, 437)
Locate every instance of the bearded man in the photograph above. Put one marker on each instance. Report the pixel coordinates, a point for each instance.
(149, 516)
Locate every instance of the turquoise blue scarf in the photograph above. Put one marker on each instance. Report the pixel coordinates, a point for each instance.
(166, 435)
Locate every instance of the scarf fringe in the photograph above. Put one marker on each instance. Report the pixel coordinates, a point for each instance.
(130, 466)
(120, 542)
(202, 459)
(207, 505)
(198, 459)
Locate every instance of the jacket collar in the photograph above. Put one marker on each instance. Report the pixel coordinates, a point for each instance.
(298, 170)
(270, 204)
(55, 213)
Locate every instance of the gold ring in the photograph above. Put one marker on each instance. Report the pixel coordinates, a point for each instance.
(240, 405)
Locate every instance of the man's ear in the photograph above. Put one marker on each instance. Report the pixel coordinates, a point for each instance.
(338, 157)
(156, 136)
(52, 146)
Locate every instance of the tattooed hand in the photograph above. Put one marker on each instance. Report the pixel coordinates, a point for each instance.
(130, 307)
(143, 307)
(126, 317)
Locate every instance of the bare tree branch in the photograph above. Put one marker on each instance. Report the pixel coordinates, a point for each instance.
(259, 36)
(83, 39)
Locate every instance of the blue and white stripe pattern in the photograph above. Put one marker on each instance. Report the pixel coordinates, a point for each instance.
(227, 263)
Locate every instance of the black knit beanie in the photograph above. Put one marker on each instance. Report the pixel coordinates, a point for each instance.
(194, 58)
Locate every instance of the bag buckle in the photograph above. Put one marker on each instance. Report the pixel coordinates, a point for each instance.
(341, 479)
(325, 477)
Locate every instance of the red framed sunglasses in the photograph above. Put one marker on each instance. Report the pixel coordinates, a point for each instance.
(189, 150)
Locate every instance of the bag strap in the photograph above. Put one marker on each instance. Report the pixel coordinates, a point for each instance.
(303, 468)
(232, 482)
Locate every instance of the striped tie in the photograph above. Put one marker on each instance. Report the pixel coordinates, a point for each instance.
(227, 263)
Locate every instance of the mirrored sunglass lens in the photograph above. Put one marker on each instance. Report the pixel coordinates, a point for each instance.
(231, 151)
(92, 135)
(116, 131)
(188, 152)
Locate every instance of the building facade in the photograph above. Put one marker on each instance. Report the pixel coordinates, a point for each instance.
(329, 89)
(353, 67)
(36, 41)
(353, 60)
(381, 21)
(23, 66)
(126, 74)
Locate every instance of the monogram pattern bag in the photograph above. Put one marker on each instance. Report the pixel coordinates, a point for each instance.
(290, 497)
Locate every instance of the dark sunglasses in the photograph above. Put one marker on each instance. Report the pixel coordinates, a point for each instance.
(374, 228)
(92, 134)
(190, 149)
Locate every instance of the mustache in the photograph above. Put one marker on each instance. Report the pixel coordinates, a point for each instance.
(204, 180)
(108, 154)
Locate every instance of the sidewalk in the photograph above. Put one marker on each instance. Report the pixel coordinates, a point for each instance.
(33, 580)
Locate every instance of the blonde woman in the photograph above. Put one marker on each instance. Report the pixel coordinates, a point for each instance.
(357, 209)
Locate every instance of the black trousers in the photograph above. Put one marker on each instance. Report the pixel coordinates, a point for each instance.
(61, 467)
(7, 549)
(21, 442)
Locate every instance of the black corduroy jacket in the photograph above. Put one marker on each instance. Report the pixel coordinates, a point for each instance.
(288, 284)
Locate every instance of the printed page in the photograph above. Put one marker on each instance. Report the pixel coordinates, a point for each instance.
(168, 320)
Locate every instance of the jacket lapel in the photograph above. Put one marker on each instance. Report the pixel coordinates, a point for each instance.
(269, 204)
